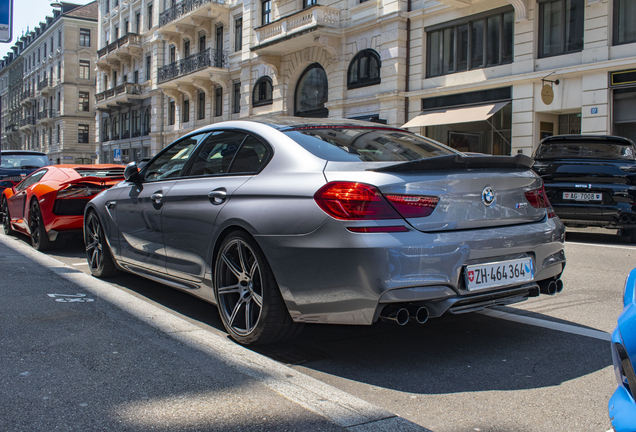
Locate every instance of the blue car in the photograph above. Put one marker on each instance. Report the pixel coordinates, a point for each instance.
(622, 407)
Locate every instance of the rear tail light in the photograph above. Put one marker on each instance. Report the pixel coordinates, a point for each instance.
(78, 191)
(413, 206)
(356, 201)
(538, 199)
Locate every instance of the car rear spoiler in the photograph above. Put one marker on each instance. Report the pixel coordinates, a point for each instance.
(458, 162)
(95, 180)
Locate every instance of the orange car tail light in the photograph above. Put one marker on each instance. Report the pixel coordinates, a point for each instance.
(78, 191)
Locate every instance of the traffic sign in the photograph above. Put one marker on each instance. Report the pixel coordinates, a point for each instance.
(6, 20)
(117, 155)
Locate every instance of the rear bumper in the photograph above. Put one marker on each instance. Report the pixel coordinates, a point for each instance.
(335, 276)
(600, 216)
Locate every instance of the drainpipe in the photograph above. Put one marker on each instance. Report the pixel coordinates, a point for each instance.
(408, 60)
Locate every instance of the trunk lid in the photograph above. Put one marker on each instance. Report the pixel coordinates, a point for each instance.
(460, 183)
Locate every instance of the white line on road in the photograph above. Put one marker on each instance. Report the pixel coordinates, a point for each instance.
(602, 245)
(568, 328)
(80, 264)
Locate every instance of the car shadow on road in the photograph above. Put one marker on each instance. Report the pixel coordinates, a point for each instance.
(596, 236)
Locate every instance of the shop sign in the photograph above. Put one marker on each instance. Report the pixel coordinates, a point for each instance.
(547, 94)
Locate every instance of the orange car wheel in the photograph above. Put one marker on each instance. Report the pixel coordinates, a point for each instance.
(39, 236)
(6, 218)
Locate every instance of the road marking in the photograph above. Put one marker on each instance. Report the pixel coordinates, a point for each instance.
(567, 328)
(347, 411)
(601, 245)
(71, 298)
(80, 264)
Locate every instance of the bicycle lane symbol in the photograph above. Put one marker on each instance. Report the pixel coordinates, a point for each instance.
(71, 298)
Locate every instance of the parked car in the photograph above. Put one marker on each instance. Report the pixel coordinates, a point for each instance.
(590, 180)
(50, 202)
(282, 221)
(15, 165)
(6, 184)
(622, 408)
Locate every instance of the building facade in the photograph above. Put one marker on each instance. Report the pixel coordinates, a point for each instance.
(166, 68)
(48, 86)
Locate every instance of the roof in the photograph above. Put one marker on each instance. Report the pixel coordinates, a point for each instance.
(281, 122)
(89, 11)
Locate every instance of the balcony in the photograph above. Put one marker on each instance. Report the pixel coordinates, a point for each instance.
(27, 122)
(122, 49)
(11, 127)
(121, 95)
(195, 66)
(27, 97)
(46, 116)
(299, 30)
(182, 12)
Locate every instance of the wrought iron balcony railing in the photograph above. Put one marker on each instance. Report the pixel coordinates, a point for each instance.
(132, 38)
(184, 7)
(193, 63)
(47, 113)
(27, 94)
(128, 88)
(30, 120)
(44, 84)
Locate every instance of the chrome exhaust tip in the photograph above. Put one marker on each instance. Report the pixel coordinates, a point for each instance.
(394, 314)
(559, 285)
(550, 288)
(419, 314)
(624, 218)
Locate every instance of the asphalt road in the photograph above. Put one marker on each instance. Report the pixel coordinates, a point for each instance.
(542, 365)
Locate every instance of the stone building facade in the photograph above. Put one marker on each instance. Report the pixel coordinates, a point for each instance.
(47, 86)
(166, 68)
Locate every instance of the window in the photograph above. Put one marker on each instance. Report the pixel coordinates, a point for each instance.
(171, 113)
(136, 123)
(186, 111)
(624, 29)
(147, 122)
(59, 71)
(308, 3)
(266, 12)
(116, 33)
(173, 54)
(201, 105)
(570, 124)
(106, 129)
(85, 37)
(136, 77)
(236, 105)
(202, 42)
(311, 93)
(262, 94)
(125, 125)
(186, 48)
(171, 161)
(364, 69)
(126, 25)
(479, 41)
(45, 50)
(230, 152)
(84, 71)
(218, 102)
(107, 6)
(138, 22)
(59, 39)
(115, 3)
(82, 133)
(238, 34)
(148, 64)
(561, 27)
(116, 127)
(149, 17)
(83, 101)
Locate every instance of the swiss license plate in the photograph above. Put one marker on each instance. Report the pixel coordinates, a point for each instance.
(582, 196)
(491, 275)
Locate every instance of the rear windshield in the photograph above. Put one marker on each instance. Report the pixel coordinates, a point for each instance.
(367, 144)
(23, 161)
(559, 150)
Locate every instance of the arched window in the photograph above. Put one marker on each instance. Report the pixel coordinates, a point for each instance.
(262, 94)
(364, 69)
(311, 93)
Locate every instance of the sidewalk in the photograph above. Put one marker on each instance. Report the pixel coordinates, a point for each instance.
(78, 354)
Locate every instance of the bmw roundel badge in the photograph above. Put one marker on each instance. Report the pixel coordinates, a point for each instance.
(488, 196)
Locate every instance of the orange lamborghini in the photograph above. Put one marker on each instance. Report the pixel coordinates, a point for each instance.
(50, 202)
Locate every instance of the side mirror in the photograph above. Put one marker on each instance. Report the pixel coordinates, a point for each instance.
(131, 173)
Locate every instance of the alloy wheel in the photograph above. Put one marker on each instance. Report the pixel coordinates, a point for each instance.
(34, 223)
(239, 287)
(94, 242)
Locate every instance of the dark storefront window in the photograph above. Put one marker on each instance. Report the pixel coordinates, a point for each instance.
(561, 24)
(312, 93)
(471, 43)
(624, 28)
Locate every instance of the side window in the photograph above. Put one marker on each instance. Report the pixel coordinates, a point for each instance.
(251, 157)
(170, 163)
(217, 153)
(31, 180)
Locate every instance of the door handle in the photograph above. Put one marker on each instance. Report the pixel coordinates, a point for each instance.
(157, 197)
(217, 196)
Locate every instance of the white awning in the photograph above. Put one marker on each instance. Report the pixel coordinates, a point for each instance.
(456, 115)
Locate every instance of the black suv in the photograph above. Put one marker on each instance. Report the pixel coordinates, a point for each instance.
(590, 180)
(17, 164)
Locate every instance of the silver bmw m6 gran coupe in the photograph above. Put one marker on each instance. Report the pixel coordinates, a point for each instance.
(281, 221)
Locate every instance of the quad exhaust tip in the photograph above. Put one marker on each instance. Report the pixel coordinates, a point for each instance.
(418, 314)
(552, 287)
(395, 314)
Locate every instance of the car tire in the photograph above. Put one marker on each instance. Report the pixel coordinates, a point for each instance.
(6, 218)
(39, 236)
(630, 233)
(98, 254)
(247, 295)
